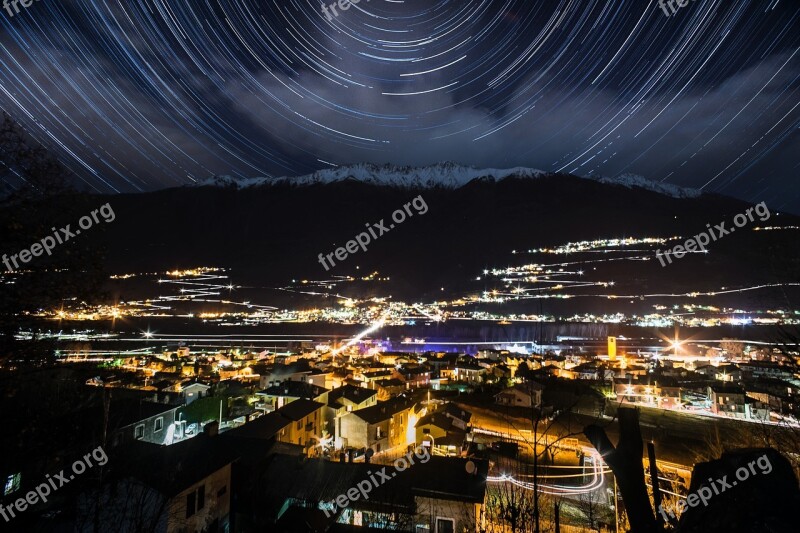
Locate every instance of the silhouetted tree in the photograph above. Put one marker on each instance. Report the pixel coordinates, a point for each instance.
(40, 200)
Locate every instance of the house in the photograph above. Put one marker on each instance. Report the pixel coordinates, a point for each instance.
(663, 392)
(528, 394)
(449, 494)
(460, 417)
(729, 373)
(307, 424)
(394, 358)
(726, 399)
(254, 449)
(344, 400)
(767, 369)
(278, 395)
(184, 487)
(777, 403)
(414, 376)
(443, 362)
(380, 427)
(439, 495)
(318, 377)
(370, 377)
(445, 430)
(588, 371)
(501, 371)
(668, 393)
(731, 400)
(296, 371)
(468, 372)
(389, 388)
(193, 390)
(131, 420)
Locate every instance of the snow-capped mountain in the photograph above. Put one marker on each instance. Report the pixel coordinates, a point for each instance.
(636, 181)
(447, 175)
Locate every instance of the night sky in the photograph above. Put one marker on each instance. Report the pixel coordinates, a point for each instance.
(137, 95)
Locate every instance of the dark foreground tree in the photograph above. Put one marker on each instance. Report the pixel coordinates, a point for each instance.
(39, 201)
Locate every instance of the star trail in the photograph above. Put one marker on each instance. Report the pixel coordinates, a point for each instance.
(138, 95)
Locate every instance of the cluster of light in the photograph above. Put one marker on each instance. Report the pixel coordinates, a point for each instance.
(193, 272)
(601, 244)
(203, 286)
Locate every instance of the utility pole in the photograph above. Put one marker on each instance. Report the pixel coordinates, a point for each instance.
(651, 452)
(616, 506)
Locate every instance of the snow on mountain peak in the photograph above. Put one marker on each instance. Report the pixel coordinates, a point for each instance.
(634, 180)
(447, 175)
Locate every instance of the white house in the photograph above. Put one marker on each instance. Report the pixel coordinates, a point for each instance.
(527, 394)
(192, 390)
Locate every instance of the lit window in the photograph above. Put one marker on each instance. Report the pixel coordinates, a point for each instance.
(12, 484)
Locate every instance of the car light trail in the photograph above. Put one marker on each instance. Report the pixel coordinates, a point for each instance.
(598, 478)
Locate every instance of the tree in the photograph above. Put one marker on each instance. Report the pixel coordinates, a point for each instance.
(23, 160)
(40, 204)
(625, 460)
(513, 507)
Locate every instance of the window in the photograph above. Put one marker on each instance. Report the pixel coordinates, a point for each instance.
(159, 424)
(221, 492)
(190, 502)
(195, 501)
(138, 433)
(12, 484)
(445, 525)
(201, 497)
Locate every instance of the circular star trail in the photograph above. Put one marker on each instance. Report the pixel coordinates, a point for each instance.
(138, 95)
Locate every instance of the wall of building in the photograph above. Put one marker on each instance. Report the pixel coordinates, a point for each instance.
(465, 515)
(216, 508)
(128, 433)
(354, 431)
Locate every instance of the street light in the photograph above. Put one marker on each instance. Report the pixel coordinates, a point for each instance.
(676, 344)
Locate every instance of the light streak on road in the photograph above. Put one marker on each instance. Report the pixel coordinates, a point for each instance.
(598, 478)
(373, 328)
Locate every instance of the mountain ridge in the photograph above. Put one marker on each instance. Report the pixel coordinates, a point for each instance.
(448, 175)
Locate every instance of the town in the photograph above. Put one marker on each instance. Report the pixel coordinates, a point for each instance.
(222, 431)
